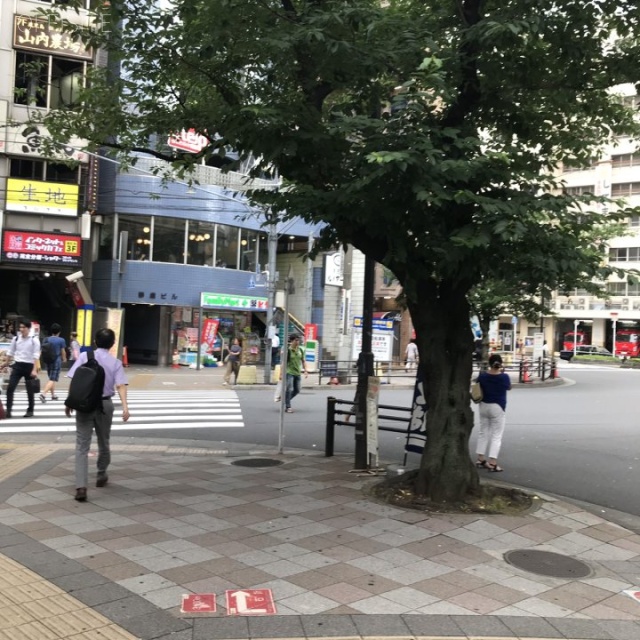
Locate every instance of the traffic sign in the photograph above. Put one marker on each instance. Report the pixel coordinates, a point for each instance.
(250, 602)
(198, 603)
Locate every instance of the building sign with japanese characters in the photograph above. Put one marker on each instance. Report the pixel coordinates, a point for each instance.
(28, 140)
(240, 303)
(47, 249)
(33, 196)
(37, 34)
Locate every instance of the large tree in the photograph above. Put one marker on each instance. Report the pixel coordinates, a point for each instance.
(424, 133)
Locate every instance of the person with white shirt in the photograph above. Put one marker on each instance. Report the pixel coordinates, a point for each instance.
(25, 351)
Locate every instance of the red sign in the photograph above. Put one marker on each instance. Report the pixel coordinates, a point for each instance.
(209, 331)
(198, 603)
(41, 248)
(250, 602)
(190, 141)
(310, 332)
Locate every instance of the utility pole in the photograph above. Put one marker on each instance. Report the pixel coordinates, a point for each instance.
(365, 366)
(289, 288)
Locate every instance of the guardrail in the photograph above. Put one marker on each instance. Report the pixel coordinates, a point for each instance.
(346, 371)
(335, 417)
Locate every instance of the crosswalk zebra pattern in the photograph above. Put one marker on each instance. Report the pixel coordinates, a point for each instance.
(162, 409)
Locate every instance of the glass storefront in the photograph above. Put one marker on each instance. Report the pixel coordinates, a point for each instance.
(169, 240)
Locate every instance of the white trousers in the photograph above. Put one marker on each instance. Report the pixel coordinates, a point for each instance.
(492, 418)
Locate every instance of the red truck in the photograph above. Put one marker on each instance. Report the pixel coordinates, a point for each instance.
(581, 338)
(628, 343)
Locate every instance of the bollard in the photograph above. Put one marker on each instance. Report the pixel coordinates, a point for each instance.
(330, 431)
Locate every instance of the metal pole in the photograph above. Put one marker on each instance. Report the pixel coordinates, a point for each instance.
(199, 338)
(288, 288)
(365, 366)
(575, 336)
(271, 294)
(330, 432)
(615, 322)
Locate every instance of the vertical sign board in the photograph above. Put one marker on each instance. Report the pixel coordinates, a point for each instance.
(311, 355)
(538, 342)
(250, 602)
(373, 391)
(381, 340)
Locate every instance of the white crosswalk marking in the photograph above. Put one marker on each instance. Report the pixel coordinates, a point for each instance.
(149, 410)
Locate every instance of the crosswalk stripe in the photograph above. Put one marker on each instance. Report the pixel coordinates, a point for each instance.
(149, 410)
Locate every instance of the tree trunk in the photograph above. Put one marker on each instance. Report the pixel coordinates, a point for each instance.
(445, 342)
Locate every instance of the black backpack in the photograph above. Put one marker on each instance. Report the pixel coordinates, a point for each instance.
(87, 386)
(47, 353)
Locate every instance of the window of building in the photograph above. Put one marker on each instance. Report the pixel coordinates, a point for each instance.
(47, 81)
(634, 221)
(580, 190)
(625, 160)
(249, 247)
(625, 189)
(26, 169)
(631, 101)
(227, 246)
(32, 73)
(617, 288)
(633, 289)
(200, 243)
(625, 254)
(169, 240)
(139, 239)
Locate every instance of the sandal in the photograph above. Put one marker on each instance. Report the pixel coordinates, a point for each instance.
(494, 468)
(481, 464)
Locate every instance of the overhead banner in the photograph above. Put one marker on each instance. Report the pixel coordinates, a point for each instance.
(29, 247)
(50, 198)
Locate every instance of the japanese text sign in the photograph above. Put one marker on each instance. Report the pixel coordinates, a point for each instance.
(38, 34)
(33, 196)
(41, 248)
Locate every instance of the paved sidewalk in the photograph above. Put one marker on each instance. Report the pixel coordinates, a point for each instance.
(177, 520)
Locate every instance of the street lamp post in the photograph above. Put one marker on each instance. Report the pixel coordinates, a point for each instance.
(575, 336)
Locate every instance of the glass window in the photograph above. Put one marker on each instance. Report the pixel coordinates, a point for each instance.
(618, 255)
(66, 83)
(634, 254)
(633, 289)
(168, 240)
(617, 288)
(263, 252)
(248, 250)
(200, 243)
(579, 191)
(59, 172)
(139, 240)
(106, 249)
(625, 189)
(32, 73)
(27, 169)
(227, 246)
(634, 221)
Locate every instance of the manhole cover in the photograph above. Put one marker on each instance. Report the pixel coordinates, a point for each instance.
(257, 462)
(546, 563)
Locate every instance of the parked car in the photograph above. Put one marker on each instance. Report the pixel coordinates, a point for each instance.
(584, 350)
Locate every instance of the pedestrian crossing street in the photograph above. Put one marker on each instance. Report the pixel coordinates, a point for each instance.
(162, 409)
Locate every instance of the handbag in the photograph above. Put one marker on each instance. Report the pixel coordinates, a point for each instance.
(34, 385)
(476, 392)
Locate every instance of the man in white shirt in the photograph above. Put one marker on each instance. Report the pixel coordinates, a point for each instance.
(25, 351)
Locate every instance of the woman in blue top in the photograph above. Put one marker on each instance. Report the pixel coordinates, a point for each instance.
(495, 384)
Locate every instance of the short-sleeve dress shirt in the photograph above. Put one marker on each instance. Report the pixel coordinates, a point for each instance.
(113, 370)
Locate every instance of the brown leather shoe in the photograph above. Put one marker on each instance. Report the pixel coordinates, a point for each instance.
(81, 494)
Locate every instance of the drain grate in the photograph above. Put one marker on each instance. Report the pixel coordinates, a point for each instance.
(257, 462)
(547, 563)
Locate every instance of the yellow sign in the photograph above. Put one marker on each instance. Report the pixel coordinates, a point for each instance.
(33, 196)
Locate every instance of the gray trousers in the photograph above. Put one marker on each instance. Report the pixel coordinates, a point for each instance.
(85, 424)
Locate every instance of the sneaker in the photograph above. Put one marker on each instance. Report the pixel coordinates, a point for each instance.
(42, 398)
(277, 399)
(289, 410)
(54, 397)
(225, 383)
(102, 480)
(29, 414)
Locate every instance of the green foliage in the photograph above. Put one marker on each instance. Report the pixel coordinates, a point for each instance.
(426, 134)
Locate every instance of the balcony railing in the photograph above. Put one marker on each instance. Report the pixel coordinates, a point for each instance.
(232, 180)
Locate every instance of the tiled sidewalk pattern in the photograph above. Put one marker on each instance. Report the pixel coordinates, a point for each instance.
(183, 521)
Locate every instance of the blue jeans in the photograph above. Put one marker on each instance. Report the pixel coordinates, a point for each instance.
(293, 389)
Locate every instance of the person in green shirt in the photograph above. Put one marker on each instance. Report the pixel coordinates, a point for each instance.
(295, 366)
